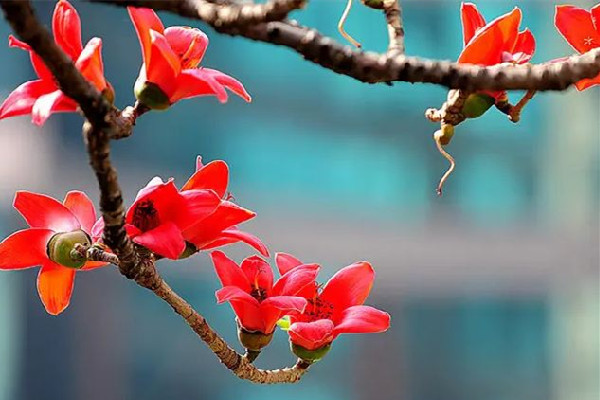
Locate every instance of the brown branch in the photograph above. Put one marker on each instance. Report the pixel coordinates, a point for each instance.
(393, 17)
(373, 67)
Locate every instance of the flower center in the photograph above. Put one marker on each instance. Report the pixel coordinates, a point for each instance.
(145, 216)
(258, 293)
(318, 309)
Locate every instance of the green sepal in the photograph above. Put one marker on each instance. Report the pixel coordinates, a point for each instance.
(310, 356)
(151, 95)
(61, 248)
(477, 104)
(254, 341)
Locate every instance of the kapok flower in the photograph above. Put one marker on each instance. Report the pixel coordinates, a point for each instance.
(497, 42)
(581, 28)
(170, 71)
(257, 302)
(42, 98)
(337, 308)
(161, 213)
(54, 231)
(218, 228)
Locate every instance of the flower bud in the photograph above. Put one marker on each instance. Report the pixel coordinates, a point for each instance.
(61, 248)
(375, 4)
(254, 341)
(310, 356)
(445, 134)
(151, 95)
(477, 104)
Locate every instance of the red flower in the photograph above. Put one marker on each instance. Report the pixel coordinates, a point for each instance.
(42, 97)
(497, 42)
(337, 308)
(161, 213)
(581, 28)
(171, 57)
(218, 228)
(29, 247)
(257, 302)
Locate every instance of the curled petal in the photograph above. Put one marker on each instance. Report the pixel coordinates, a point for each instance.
(49, 104)
(90, 63)
(41, 211)
(229, 273)
(66, 27)
(22, 99)
(258, 273)
(188, 43)
(82, 207)
(524, 48)
(24, 249)
(246, 308)
(234, 235)
(229, 293)
(55, 285)
(38, 64)
(97, 230)
(472, 21)
(286, 262)
(273, 308)
(165, 239)
(577, 27)
(350, 286)
(214, 175)
(312, 335)
(193, 82)
(230, 83)
(362, 319)
(144, 20)
(297, 282)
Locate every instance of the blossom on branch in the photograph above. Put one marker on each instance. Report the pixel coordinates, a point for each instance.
(42, 97)
(581, 28)
(337, 308)
(55, 231)
(170, 70)
(257, 301)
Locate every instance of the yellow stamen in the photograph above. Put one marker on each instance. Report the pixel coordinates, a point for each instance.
(343, 21)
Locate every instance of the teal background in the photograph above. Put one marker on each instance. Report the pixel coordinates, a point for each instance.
(493, 288)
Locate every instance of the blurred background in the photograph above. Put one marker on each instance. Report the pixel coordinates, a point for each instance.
(493, 288)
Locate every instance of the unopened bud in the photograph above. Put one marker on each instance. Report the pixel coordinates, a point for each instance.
(151, 95)
(310, 356)
(477, 104)
(376, 4)
(62, 248)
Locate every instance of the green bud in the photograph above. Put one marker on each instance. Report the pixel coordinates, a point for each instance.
(254, 341)
(310, 356)
(150, 95)
(445, 134)
(375, 4)
(477, 104)
(61, 248)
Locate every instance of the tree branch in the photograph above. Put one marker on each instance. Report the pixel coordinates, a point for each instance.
(373, 67)
(393, 17)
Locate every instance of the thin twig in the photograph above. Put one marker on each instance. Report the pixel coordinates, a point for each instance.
(373, 67)
(514, 112)
(395, 25)
(341, 23)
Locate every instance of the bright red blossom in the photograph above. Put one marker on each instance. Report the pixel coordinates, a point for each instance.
(257, 302)
(171, 57)
(581, 28)
(337, 308)
(28, 248)
(42, 98)
(497, 42)
(219, 228)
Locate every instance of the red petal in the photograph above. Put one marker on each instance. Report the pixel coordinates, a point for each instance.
(273, 308)
(524, 48)
(145, 19)
(312, 335)
(165, 239)
(97, 230)
(188, 43)
(164, 66)
(214, 175)
(49, 104)
(596, 17)
(82, 207)
(229, 273)
(286, 262)
(295, 281)
(577, 27)
(89, 265)
(38, 64)
(229, 293)
(234, 235)
(22, 99)
(258, 273)
(350, 286)
(55, 285)
(230, 83)
(157, 202)
(66, 26)
(484, 49)
(362, 319)
(586, 83)
(209, 229)
(195, 205)
(193, 82)
(471, 21)
(246, 307)
(90, 63)
(24, 249)
(41, 211)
